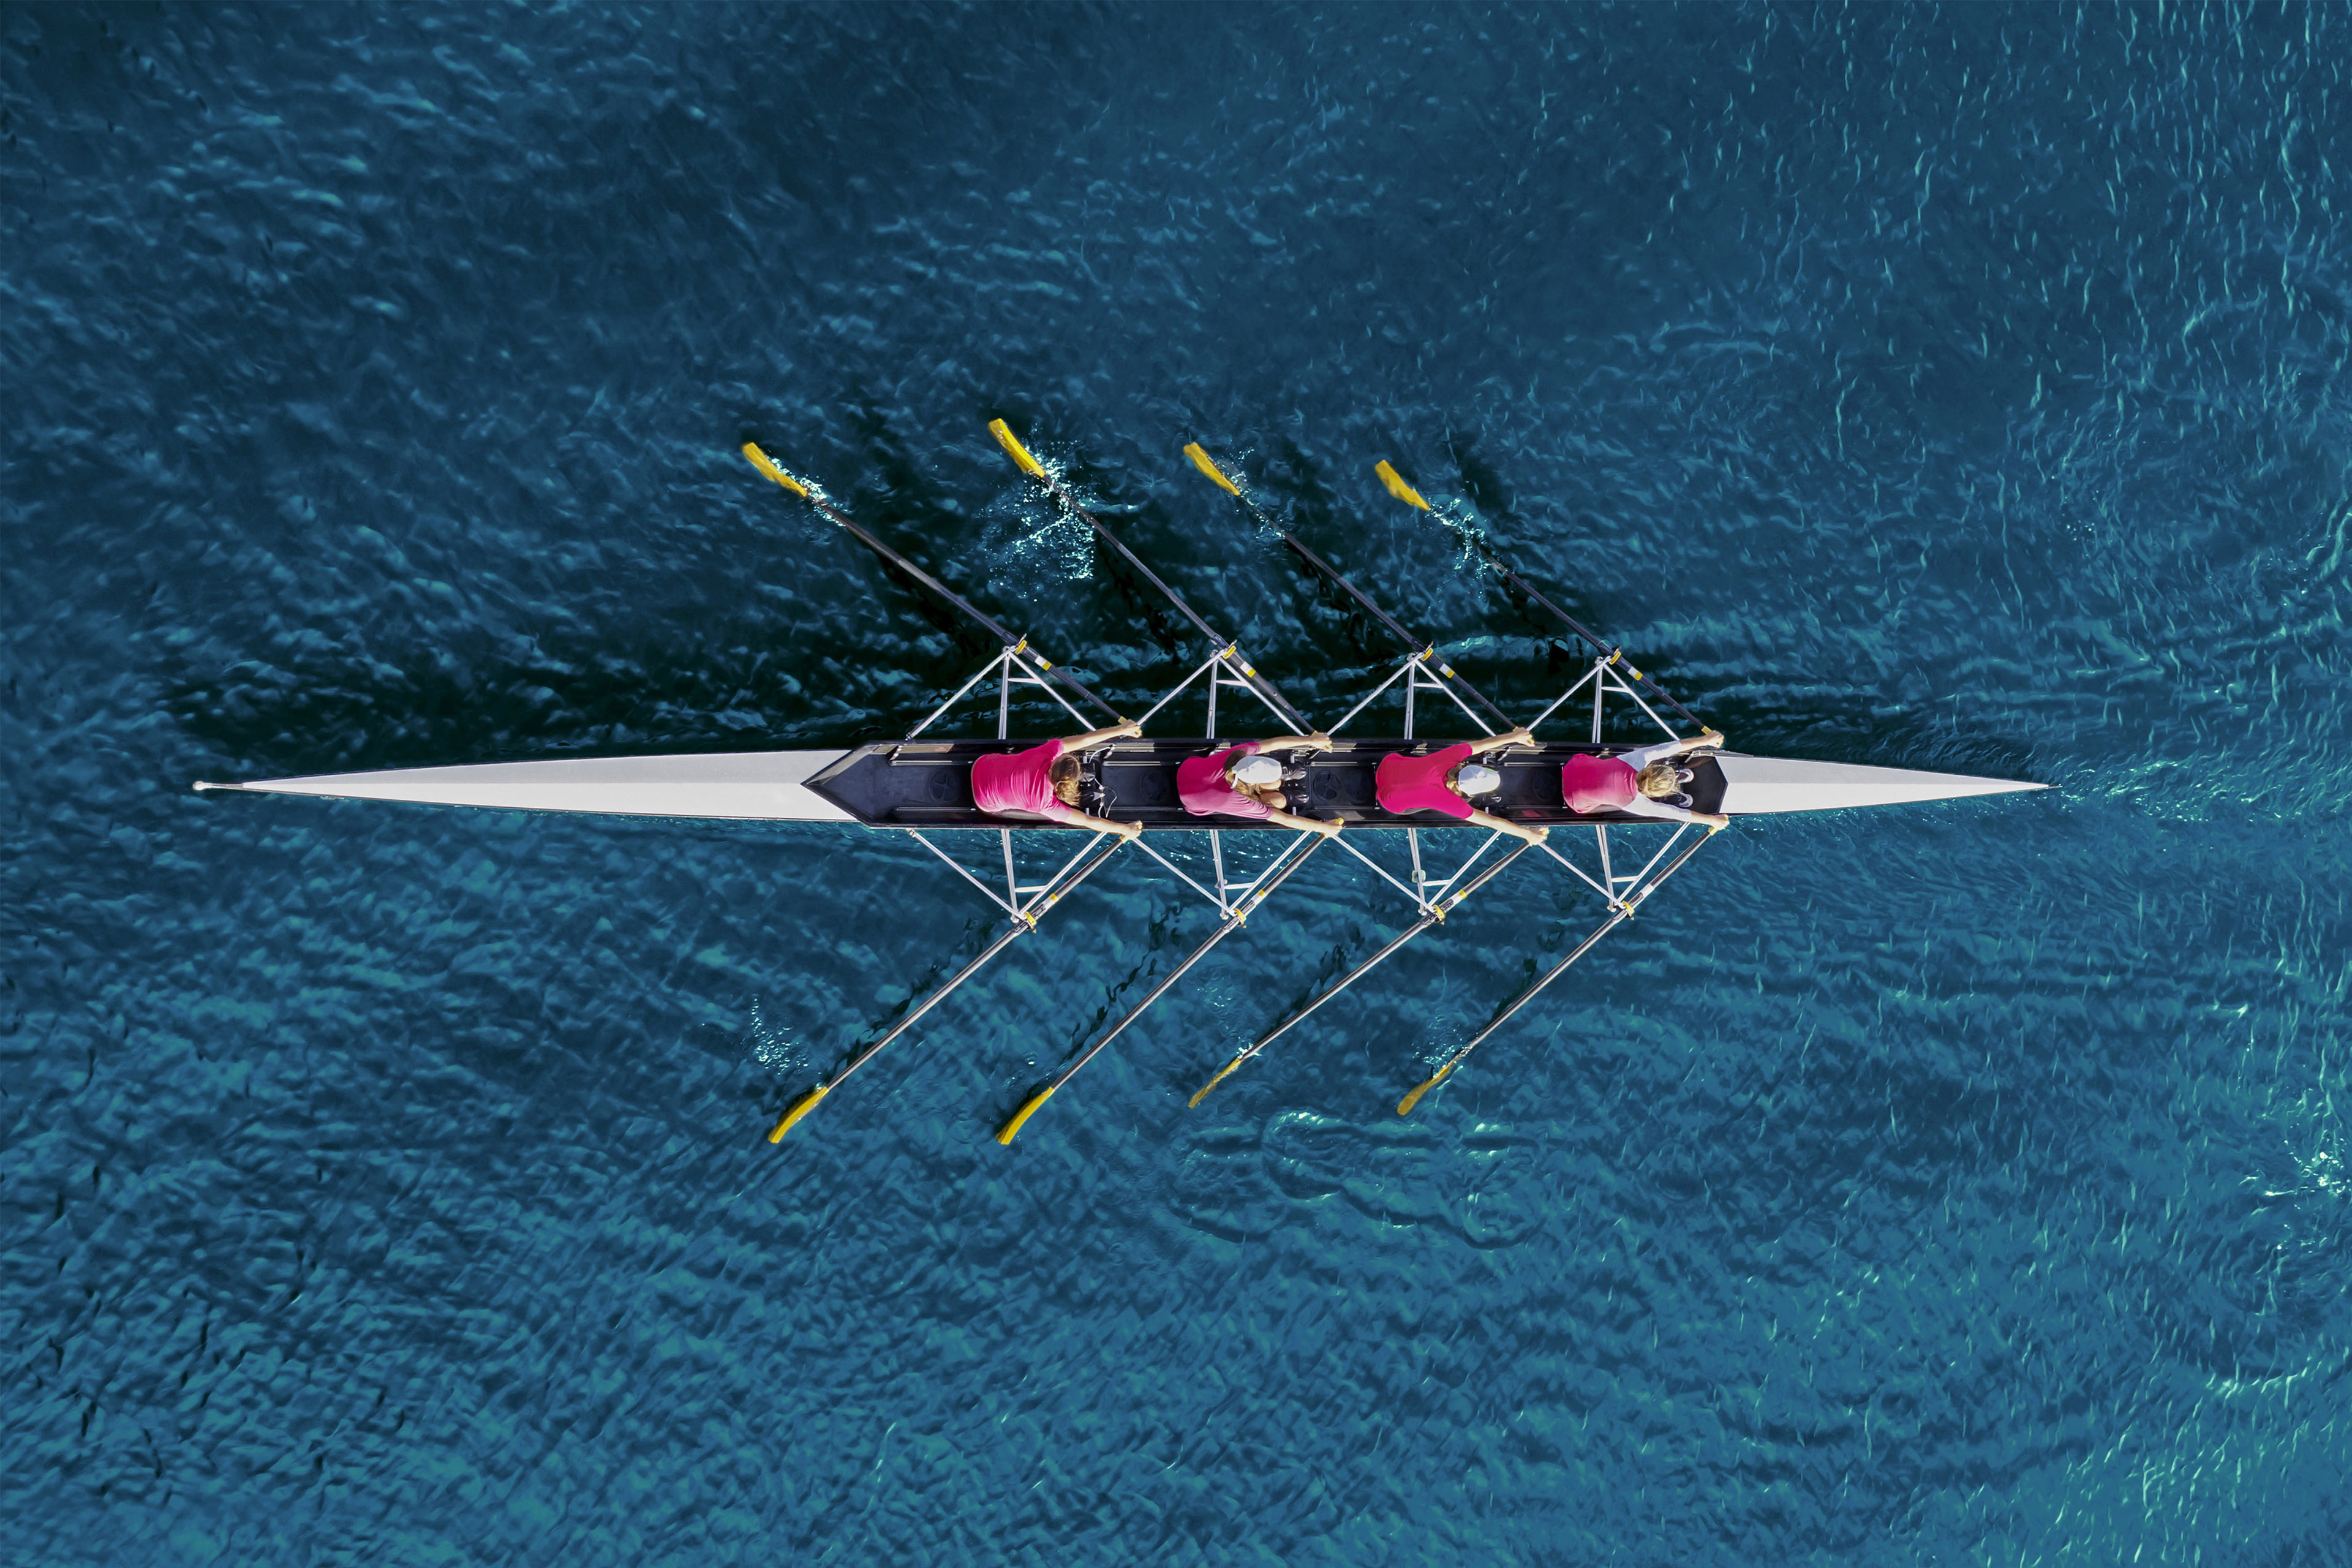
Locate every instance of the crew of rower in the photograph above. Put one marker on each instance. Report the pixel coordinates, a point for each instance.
(1644, 782)
(1245, 779)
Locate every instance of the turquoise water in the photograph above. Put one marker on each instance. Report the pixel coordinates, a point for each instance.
(1957, 388)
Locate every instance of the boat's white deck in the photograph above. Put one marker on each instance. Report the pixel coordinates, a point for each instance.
(1757, 786)
(761, 786)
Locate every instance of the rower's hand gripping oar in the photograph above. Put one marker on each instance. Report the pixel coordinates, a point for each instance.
(1231, 923)
(1229, 650)
(1022, 925)
(1424, 650)
(1617, 917)
(817, 498)
(1437, 913)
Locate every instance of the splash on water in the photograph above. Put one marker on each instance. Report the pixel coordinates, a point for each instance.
(1034, 542)
(777, 1046)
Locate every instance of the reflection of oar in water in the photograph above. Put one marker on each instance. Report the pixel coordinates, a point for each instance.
(1617, 917)
(1425, 651)
(809, 493)
(1273, 878)
(1022, 924)
(1228, 652)
(1437, 912)
(1494, 563)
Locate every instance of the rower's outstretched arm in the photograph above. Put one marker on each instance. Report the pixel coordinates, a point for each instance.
(1317, 742)
(1074, 817)
(1659, 811)
(1641, 757)
(1517, 830)
(1094, 738)
(1305, 824)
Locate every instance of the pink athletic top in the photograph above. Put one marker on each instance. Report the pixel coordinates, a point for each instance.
(1021, 782)
(1418, 784)
(1200, 785)
(1597, 784)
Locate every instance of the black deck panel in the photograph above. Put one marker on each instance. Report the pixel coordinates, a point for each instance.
(928, 784)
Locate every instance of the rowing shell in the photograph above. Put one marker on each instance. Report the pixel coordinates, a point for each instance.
(929, 784)
(914, 786)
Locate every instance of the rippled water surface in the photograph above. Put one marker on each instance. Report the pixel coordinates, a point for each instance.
(1957, 389)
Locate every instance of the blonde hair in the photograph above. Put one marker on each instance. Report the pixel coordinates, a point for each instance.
(1065, 775)
(1660, 780)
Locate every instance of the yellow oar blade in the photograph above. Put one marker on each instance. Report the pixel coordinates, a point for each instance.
(1203, 461)
(1004, 1135)
(1011, 444)
(1397, 487)
(798, 1108)
(760, 460)
(1223, 1073)
(1404, 1106)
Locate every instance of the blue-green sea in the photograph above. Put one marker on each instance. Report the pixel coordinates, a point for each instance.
(1962, 387)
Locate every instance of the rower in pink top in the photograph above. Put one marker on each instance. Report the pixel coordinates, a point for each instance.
(1242, 779)
(1042, 783)
(1644, 782)
(1446, 781)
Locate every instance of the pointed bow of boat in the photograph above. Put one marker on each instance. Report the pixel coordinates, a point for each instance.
(744, 787)
(1753, 785)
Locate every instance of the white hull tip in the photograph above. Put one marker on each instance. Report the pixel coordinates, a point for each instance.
(1758, 785)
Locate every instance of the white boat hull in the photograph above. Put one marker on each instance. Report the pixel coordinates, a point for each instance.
(770, 787)
(737, 787)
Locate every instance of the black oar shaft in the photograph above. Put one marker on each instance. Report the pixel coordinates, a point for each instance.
(1534, 988)
(1445, 906)
(1578, 628)
(1364, 601)
(1225, 927)
(1021, 926)
(1012, 932)
(995, 627)
(1257, 682)
(1207, 465)
(1061, 492)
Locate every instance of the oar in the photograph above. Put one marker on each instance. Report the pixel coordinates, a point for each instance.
(1231, 923)
(1207, 465)
(1061, 492)
(1022, 925)
(1437, 912)
(766, 464)
(1413, 497)
(1621, 914)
